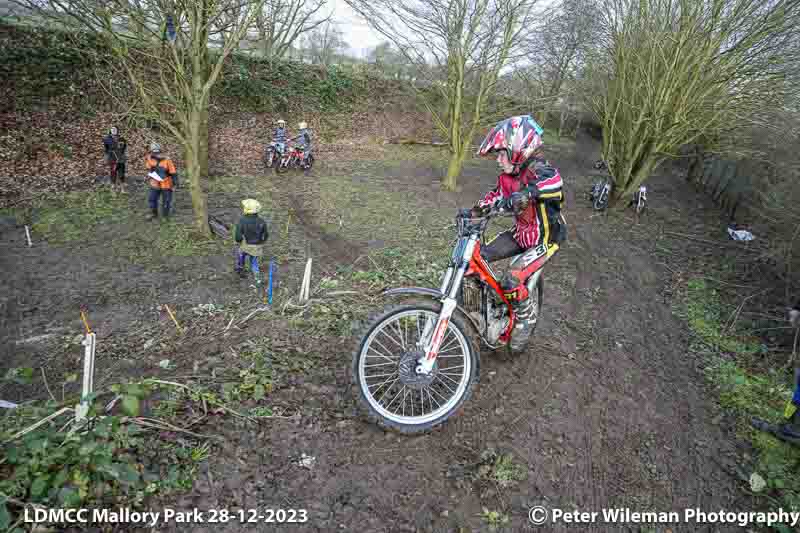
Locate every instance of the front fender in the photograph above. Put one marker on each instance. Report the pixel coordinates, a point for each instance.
(434, 294)
(419, 291)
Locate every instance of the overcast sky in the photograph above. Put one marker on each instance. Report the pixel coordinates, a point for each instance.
(357, 32)
(360, 36)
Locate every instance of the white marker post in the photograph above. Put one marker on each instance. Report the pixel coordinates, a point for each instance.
(305, 288)
(28, 235)
(89, 343)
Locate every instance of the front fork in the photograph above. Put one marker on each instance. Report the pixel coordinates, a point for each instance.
(432, 335)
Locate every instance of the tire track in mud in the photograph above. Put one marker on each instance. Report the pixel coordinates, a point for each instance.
(333, 247)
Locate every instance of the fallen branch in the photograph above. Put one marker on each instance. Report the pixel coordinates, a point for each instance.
(47, 386)
(175, 320)
(737, 312)
(38, 424)
(20, 503)
(160, 424)
(726, 245)
(303, 305)
(413, 141)
(341, 293)
(251, 315)
(220, 405)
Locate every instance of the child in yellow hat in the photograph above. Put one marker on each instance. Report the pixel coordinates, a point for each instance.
(251, 234)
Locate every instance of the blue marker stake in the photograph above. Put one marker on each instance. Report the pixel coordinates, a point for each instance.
(269, 286)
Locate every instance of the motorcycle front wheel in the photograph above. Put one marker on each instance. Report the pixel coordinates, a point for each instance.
(283, 166)
(386, 385)
(601, 201)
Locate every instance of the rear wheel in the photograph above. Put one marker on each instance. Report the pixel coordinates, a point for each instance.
(386, 385)
(601, 201)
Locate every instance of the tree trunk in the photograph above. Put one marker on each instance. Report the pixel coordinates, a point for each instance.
(453, 170)
(456, 149)
(203, 158)
(197, 168)
(627, 184)
(456, 105)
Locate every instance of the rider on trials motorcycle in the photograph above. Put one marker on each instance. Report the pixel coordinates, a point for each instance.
(535, 198)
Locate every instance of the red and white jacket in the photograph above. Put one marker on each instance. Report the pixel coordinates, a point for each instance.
(532, 226)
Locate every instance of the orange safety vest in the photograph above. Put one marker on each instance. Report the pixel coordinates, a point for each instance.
(165, 169)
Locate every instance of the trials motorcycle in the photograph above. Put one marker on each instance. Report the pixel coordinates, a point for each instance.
(417, 362)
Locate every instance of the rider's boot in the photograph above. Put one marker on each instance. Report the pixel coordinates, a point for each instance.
(525, 313)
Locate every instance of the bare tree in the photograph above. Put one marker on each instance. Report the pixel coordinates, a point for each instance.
(679, 72)
(555, 53)
(281, 23)
(161, 47)
(459, 46)
(325, 43)
(387, 59)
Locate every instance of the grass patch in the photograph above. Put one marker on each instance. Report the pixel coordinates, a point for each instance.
(748, 394)
(102, 218)
(745, 392)
(494, 519)
(77, 216)
(704, 312)
(506, 472)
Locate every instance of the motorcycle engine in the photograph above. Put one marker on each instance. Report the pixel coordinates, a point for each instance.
(498, 318)
(498, 321)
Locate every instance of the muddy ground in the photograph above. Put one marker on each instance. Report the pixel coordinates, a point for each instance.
(607, 409)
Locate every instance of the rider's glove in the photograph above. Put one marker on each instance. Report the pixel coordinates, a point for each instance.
(533, 192)
(516, 203)
(519, 201)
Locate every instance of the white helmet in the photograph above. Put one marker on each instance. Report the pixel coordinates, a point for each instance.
(302, 125)
(281, 122)
(155, 148)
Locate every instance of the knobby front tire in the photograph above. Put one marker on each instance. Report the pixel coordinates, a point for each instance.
(383, 341)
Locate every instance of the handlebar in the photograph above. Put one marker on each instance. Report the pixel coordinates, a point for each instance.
(467, 225)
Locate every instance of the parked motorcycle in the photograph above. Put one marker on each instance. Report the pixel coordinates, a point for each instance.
(599, 195)
(417, 362)
(273, 154)
(284, 162)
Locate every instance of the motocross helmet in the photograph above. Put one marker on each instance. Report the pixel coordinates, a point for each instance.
(518, 137)
(281, 123)
(302, 125)
(113, 130)
(155, 148)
